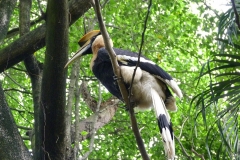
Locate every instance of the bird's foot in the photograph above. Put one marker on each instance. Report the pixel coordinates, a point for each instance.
(126, 108)
(115, 78)
(132, 105)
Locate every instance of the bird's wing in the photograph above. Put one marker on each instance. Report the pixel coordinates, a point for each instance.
(131, 59)
(164, 124)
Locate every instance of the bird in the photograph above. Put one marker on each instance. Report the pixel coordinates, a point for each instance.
(150, 86)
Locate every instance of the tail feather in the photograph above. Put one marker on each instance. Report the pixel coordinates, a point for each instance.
(164, 124)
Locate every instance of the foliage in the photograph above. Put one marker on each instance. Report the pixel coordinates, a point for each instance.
(221, 97)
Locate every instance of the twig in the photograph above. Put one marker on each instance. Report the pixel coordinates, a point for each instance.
(210, 8)
(77, 118)
(180, 134)
(104, 3)
(18, 102)
(17, 90)
(24, 128)
(85, 156)
(21, 111)
(40, 8)
(14, 80)
(15, 31)
(26, 138)
(72, 86)
(183, 149)
(140, 49)
(197, 154)
(19, 69)
(121, 85)
(86, 95)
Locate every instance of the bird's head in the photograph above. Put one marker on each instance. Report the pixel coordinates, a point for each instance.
(86, 43)
(89, 43)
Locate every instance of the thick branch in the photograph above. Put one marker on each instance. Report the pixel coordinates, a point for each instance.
(34, 40)
(104, 116)
(121, 85)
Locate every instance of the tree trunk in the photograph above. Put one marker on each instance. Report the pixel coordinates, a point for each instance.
(53, 96)
(6, 10)
(11, 144)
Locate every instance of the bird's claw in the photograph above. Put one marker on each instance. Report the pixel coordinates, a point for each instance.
(115, 78)
(132, 104)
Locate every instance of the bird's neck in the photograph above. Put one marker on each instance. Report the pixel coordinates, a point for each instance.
(92, 60)
(96, 47)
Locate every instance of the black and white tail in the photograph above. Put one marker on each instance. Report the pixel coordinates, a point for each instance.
(164, 124)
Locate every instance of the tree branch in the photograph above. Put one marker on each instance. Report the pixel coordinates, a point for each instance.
(104, 116)
(35, 40)
(90, 101)
(15, 82)
(73, 85)
(210, 8)
(17, 90)
(198, 155)
(21, 111)
(183, 149)
(15, 31)
(140, 49)
(121, 85)
(85, 156)
(77, 119)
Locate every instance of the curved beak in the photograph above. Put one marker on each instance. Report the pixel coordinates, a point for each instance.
(85, 43)
(82, 51)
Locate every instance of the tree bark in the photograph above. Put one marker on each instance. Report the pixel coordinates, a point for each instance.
(11, 144)
(71, 92)
(35, 40)
(6, 10)
(105, 115)
(53, 96)
(35, 73)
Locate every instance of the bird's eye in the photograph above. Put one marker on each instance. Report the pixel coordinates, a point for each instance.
(93, 39)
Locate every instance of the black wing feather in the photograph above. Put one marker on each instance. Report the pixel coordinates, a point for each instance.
(146, 65)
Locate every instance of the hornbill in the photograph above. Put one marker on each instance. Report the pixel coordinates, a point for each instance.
(150, 84)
